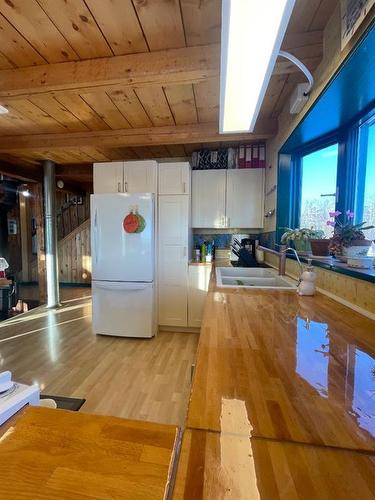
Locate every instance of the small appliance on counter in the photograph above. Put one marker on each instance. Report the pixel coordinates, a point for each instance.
(243, 251)
(13, 396)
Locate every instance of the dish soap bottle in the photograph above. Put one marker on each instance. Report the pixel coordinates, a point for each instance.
(307, 280)
(203, 252)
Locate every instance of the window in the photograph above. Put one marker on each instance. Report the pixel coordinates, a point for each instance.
(318, 188)
(365, 179)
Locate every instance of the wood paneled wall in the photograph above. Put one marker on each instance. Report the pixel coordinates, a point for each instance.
(14, 243)
(74, 256)
(69, 214)
(357, 292)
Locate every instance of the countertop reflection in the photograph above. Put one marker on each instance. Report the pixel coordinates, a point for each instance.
(303, 369)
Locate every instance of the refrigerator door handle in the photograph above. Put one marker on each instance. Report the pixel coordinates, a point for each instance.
(119, 286)
(96, 235)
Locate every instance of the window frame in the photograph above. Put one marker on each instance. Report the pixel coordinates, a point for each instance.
(350, 156)
(360, 179)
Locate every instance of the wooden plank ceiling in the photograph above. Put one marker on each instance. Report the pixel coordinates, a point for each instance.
(123, 79)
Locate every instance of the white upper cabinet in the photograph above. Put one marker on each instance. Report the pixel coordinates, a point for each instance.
(109, 177)
(208, 198)
(140, 176)
(245, 188)
(227, 198)
(174, 178)
(125, 177)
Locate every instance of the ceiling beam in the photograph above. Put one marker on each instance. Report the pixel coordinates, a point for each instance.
(165, 67)
(79, 171)
(179, 134)
(22, 174)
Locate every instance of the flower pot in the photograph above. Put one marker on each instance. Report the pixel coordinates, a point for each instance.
(302, 247)
(357, 248)
(320, 247)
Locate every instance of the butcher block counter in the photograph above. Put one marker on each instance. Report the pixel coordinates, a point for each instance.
(60, 454)
(283, 400)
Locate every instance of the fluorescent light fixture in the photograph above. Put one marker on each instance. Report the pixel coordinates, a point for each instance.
(251, 35)
(3, 110)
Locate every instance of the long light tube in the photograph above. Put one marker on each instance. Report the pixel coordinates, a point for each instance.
(251, 35)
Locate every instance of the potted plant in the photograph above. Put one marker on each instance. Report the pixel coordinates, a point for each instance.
(300, 238)
(348, 239)
(320, 246)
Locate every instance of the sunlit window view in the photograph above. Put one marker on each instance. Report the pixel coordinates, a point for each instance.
(365, 192)
(318, 189)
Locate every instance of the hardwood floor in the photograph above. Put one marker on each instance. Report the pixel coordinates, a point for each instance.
(131, 378)
(30, 292)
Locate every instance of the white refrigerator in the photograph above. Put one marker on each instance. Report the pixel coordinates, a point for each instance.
(123, 264)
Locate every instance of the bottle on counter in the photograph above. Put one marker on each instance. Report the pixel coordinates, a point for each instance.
(197, 254)
(209, 253)
(203, 252)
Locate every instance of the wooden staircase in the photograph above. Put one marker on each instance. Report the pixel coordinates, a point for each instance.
(74, 256)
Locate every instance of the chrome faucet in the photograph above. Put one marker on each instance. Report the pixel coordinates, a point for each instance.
(299, 262)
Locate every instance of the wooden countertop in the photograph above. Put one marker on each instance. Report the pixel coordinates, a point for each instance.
(217, 466)
(302, 366)
(61, 454)
(282, 402)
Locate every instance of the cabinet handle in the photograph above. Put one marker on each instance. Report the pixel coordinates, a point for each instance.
(228, 221)
(184, 187)
(184, 251)
(192, 370)
(119, 187)
(126, 187)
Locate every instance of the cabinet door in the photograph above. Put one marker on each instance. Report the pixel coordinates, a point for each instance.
(172, 305)
(174, 178)
(108, 177)
(199, 278)
(140, 176)
(245, 191)
(208, 198)
(173, 259)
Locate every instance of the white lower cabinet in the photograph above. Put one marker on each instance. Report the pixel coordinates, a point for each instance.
(199, 278)
(173, 259)
(173, 305)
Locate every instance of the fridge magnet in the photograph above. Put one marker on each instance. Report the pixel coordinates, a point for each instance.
(141, 223)
(131, 223)
(134, 222)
